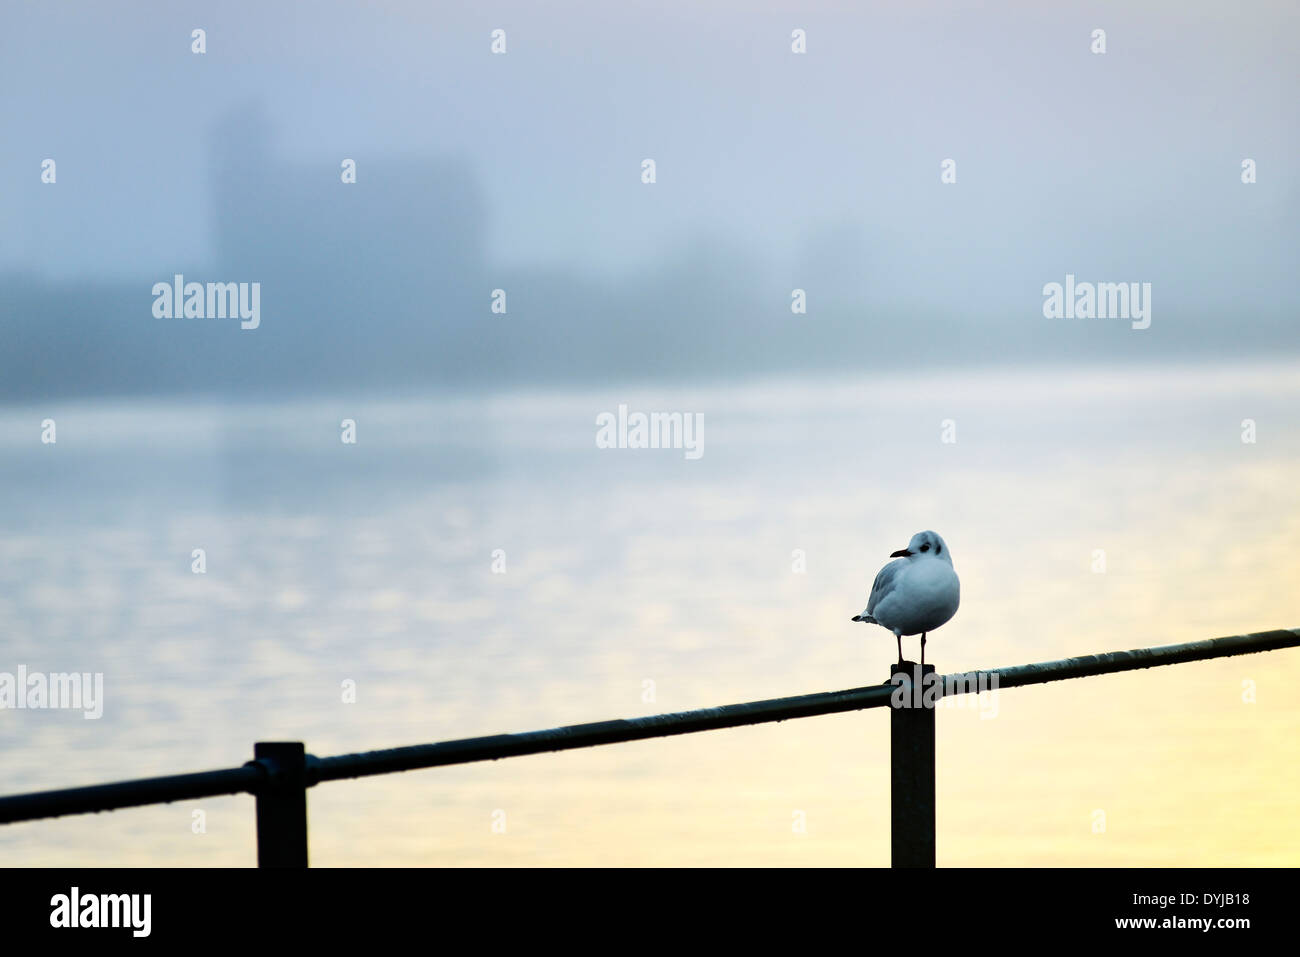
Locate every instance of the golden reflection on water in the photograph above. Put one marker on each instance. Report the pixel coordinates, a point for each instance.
(684, 578)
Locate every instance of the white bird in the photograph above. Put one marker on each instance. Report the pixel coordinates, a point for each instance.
(915, 593)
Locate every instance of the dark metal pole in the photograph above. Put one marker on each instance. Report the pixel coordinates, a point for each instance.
(107, 797)
(498, 746)
(911, 767)
(282, 804)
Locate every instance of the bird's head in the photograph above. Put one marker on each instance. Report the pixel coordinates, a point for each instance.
(925, 545)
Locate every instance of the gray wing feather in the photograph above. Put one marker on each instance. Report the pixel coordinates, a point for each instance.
(884, 583)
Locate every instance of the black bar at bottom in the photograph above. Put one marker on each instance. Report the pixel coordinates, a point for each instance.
(911, 767)
(282, 804)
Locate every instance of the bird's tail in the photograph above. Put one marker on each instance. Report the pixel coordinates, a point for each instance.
(867, 618)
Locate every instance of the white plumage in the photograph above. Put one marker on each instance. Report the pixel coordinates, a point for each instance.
(915, 593)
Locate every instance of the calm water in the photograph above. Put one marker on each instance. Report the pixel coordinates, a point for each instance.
(637, 581)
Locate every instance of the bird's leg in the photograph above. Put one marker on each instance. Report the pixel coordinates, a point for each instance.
(900, 647)
(923, 652)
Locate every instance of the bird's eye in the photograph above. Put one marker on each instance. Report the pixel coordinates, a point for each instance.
(925, 548)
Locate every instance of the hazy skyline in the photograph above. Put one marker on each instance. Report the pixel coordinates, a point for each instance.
(775, 171)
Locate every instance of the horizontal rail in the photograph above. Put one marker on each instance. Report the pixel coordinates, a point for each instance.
(254, 777)
(573, 736)
(1086, 666)
(467, 750)
(108, 797)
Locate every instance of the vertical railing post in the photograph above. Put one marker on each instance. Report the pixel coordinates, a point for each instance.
(911, 768)
(282, 804)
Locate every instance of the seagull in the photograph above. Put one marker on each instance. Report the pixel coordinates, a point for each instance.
(915, 593)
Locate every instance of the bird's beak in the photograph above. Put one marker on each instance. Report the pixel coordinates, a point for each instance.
(901, 553)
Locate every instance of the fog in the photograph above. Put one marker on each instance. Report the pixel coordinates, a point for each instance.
(522, 172)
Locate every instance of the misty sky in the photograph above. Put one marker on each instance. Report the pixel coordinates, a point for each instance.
(775, 171)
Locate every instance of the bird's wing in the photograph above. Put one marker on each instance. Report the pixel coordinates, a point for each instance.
(886, 579)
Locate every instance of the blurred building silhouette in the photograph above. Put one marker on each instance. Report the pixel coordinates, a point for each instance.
(374, 283)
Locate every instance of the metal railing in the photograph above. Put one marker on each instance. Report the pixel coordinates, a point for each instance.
(281, 772)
